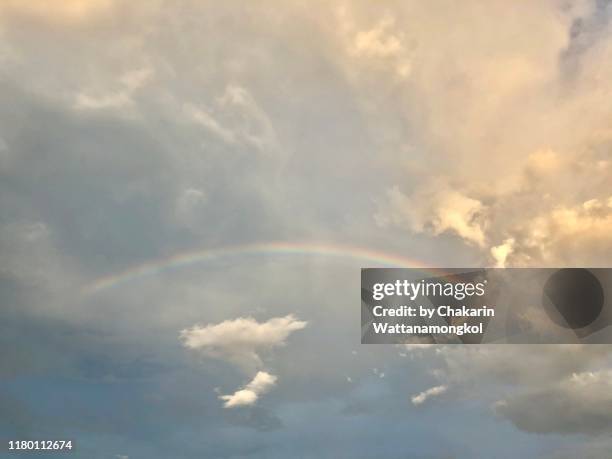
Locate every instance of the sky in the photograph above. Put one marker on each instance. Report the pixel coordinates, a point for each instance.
(188, 190)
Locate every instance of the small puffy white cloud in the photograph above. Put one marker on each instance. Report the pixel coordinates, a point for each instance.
(422, 397)
(243, 397)
(240, 341)
(261, 383)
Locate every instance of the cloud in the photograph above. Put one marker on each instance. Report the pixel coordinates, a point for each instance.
(501, 252)
(542, 388)
(261, 383)
(66, 11)
(470, 132)
(534, 222)
(581, 403)
(512, 365)
(240, 341)
(113, 100)
(567, 233)
(422, 397)
(377, 41)
(120, 97)
(498, 150)
(237, 119)
(379, 44)
(206, 120)
(437, 210)
(251, 123)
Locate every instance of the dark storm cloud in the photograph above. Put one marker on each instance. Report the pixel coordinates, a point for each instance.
(107, 189)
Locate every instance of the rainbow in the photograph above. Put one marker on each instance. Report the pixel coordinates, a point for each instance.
(185, 259)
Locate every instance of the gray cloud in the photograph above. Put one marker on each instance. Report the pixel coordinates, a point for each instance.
(580, 403)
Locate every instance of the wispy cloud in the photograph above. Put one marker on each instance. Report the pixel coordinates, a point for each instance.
(422, 397)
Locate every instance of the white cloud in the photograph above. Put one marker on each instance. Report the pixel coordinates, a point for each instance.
(422, 397)
(261, 383)
(241, 340)
(501, 252)
(435, 209)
